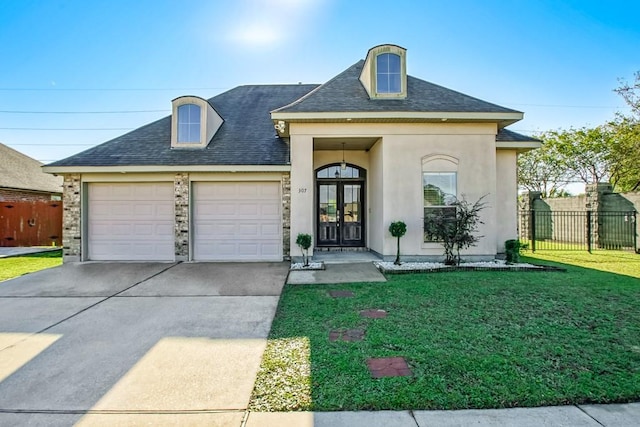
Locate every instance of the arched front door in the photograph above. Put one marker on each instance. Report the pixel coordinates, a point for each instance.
(340, 206)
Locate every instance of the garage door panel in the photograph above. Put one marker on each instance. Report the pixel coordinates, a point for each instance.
(237, 221)
(131, 221)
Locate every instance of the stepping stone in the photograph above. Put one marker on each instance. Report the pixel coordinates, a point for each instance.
(373, 314)
(382, 367)
(341, 294)
(350, 335)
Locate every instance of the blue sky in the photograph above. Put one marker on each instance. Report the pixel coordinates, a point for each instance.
(558, 61)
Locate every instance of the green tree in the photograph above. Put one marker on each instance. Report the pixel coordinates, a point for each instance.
(543, 169)
(625, 149)
(585, 152)
(625, 154)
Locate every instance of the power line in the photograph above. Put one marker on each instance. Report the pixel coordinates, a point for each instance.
(65, 129)
(83, 112)
(53, 145)
(563, 106)
(26, 89)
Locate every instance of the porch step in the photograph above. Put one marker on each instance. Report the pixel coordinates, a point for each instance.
(341, 257)
(340, 249)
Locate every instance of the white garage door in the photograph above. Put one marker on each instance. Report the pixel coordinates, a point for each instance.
(237, 221)
(131, 222)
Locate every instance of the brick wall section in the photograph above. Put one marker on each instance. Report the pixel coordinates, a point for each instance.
(286, 216)
(181, 210)
(71, 218)
(7, 195)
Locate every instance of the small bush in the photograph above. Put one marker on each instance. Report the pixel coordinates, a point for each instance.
(512, 250)
(304, 241)
(398, 229)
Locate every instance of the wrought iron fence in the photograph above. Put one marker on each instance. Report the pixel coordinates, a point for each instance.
(578, 230)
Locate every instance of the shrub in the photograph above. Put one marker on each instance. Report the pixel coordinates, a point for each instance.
(304, 241)
(455, 231)
(512, 250)
(398, 229)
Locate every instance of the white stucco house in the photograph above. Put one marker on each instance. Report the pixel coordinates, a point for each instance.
(238, 176)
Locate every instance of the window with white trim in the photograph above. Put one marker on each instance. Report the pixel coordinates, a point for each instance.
(189, 123)
(440, 191)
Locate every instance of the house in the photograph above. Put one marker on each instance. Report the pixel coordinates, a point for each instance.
(30, 207)
(238, 176)
(22, 178)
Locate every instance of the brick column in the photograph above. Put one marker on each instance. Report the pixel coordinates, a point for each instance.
(286, 216)
(181, 212)
(594, 194)
(72, 218)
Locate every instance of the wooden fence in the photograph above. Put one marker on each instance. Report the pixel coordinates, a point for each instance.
(30, 223)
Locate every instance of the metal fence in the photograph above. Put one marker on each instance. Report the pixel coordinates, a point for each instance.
(578, 230)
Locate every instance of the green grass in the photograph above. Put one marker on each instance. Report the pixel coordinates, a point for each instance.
(18, 266)
(620, 262)
(472, 339)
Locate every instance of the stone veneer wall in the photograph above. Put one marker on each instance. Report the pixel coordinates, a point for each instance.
(71, 218)
(286, 216)
(181, 211)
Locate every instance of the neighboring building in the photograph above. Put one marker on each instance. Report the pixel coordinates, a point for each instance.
(22, 178)
(30, 206)
(238, 176)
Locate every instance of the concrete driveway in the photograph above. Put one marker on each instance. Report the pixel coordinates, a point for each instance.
(134, 343)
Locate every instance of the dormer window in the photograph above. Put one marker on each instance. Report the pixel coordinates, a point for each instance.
(384, 73)
(189, 123)
(194, 122)
(388, 73)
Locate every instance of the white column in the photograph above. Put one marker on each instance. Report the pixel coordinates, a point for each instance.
(302, 191)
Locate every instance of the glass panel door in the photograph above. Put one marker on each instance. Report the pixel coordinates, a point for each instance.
(328, 215)
(351, 228)
(340, 214)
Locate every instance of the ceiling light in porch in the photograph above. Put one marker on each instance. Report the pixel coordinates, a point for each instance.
(343, 165)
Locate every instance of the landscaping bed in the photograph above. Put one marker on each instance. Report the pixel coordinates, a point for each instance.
(467, 339)
(438, 267)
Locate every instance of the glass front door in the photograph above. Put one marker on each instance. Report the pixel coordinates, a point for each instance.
(340, 213)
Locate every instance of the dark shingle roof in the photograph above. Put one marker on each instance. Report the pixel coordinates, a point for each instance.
(507, 135)
(345, 93)
(19, 171)
(246, 137)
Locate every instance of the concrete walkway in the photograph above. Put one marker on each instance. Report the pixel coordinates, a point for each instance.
(627, 415)
(337, 273)
(11, 252)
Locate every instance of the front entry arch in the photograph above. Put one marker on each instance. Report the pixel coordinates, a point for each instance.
(340, 206)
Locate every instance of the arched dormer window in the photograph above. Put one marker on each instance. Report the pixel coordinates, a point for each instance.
(189, 123)
(388, 72)
(384, 73)
(193, 122)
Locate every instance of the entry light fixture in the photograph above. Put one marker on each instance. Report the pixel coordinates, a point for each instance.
(343, 165)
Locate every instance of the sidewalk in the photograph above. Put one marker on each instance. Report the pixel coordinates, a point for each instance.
(622, 415)
(10, 252)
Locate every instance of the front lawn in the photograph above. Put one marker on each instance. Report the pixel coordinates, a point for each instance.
(17, 266)
(471, 339)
